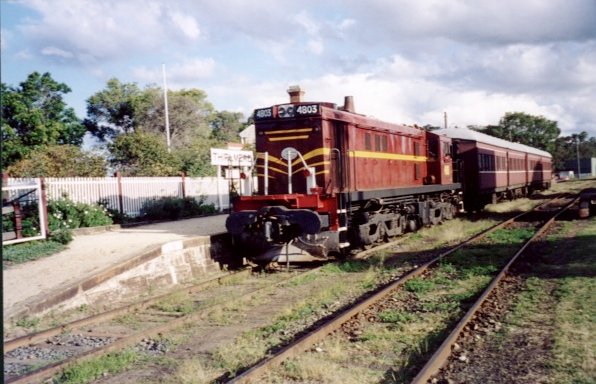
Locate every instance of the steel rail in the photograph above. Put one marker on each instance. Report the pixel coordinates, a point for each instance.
(316, 335)
(48, 370)
(36, 337)
(439, 358)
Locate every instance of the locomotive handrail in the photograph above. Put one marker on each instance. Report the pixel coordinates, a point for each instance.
(310, 170)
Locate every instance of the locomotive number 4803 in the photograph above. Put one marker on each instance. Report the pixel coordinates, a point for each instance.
(264, 113)
(311, 109)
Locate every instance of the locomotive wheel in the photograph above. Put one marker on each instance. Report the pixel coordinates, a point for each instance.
(584, 210)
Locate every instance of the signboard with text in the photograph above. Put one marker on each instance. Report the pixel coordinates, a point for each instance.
(231, 157)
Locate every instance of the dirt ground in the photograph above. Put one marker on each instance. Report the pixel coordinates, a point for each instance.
(89, 254)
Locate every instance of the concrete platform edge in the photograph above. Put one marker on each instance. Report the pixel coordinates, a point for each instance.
(39, 304)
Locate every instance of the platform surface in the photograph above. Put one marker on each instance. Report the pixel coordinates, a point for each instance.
(89, 254)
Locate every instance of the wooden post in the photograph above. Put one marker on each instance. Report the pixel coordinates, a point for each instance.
(183, 185)
(18, 223)
(43, 200)
(4, 184)
(120, 197)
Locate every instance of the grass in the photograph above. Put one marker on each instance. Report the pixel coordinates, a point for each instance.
(129, 320)
(518, 205)
(28, 322)
(21, 253)
(575, 346)
(391, 349)
(192, 371)
(395, 316)
(558, 298)
(354, 277)
(91, 370)
(179, 302)
(574, 349)
(395, 346)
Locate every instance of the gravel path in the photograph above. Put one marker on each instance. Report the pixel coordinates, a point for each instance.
(89, 254)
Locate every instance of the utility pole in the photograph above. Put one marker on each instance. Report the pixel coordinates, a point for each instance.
(165, 102)
(445, 119)
(577, 151)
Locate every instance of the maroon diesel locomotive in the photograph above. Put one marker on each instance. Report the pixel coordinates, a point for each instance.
(329, 179)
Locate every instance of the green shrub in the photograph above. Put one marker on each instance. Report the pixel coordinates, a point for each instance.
(64, 215)
(174, 208)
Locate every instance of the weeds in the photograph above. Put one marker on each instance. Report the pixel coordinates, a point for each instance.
(92, 370)
(21, 253)
(28, 322)
(179, 303)
(395, 316)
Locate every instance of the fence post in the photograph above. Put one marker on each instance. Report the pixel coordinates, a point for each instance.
(44, 204)
(4, 184)
(120, 197)
(184, 185)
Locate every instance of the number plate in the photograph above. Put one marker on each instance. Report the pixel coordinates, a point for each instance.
(264, 113)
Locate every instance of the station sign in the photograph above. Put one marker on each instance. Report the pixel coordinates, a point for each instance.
(231, 157)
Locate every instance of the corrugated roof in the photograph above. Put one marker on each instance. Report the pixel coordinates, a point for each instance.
(470, 134)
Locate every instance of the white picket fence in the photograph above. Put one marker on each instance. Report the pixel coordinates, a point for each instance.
(128, 194)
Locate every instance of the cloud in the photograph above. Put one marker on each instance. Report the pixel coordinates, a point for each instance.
(53, 51)
(98, 30)
(404, 61)
(179, 75)
(186, 24)
(4, 36)
(477, 21)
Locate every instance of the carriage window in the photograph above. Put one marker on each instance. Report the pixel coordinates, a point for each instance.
(367, 142)
(377, 143)
(384, 143)
(446, 149)
(433, 148)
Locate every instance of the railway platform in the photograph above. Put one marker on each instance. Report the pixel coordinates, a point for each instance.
(90, 255)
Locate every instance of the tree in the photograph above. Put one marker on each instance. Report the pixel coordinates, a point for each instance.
(535, 131)
(225, 126)
(189, 115)
(567, 148)
(142, 154)
(115, 110)
(34, 115)
(196, 158)
(59, 161)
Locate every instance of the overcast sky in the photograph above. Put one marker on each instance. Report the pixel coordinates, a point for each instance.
(404, 61)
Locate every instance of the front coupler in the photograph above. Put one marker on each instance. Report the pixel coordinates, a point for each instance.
(258, 230)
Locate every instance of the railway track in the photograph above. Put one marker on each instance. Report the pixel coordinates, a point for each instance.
(36, 357)
(446, 350)
(347, 323)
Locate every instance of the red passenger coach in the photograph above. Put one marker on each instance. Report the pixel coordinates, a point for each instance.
(492, 169)
(329, 178)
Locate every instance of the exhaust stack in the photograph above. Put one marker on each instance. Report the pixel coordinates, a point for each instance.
(295, 93)
(349, 104)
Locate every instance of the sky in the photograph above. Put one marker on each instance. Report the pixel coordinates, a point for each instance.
(403, 61)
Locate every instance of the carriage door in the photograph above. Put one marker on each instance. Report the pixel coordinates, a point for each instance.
(446, 161)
